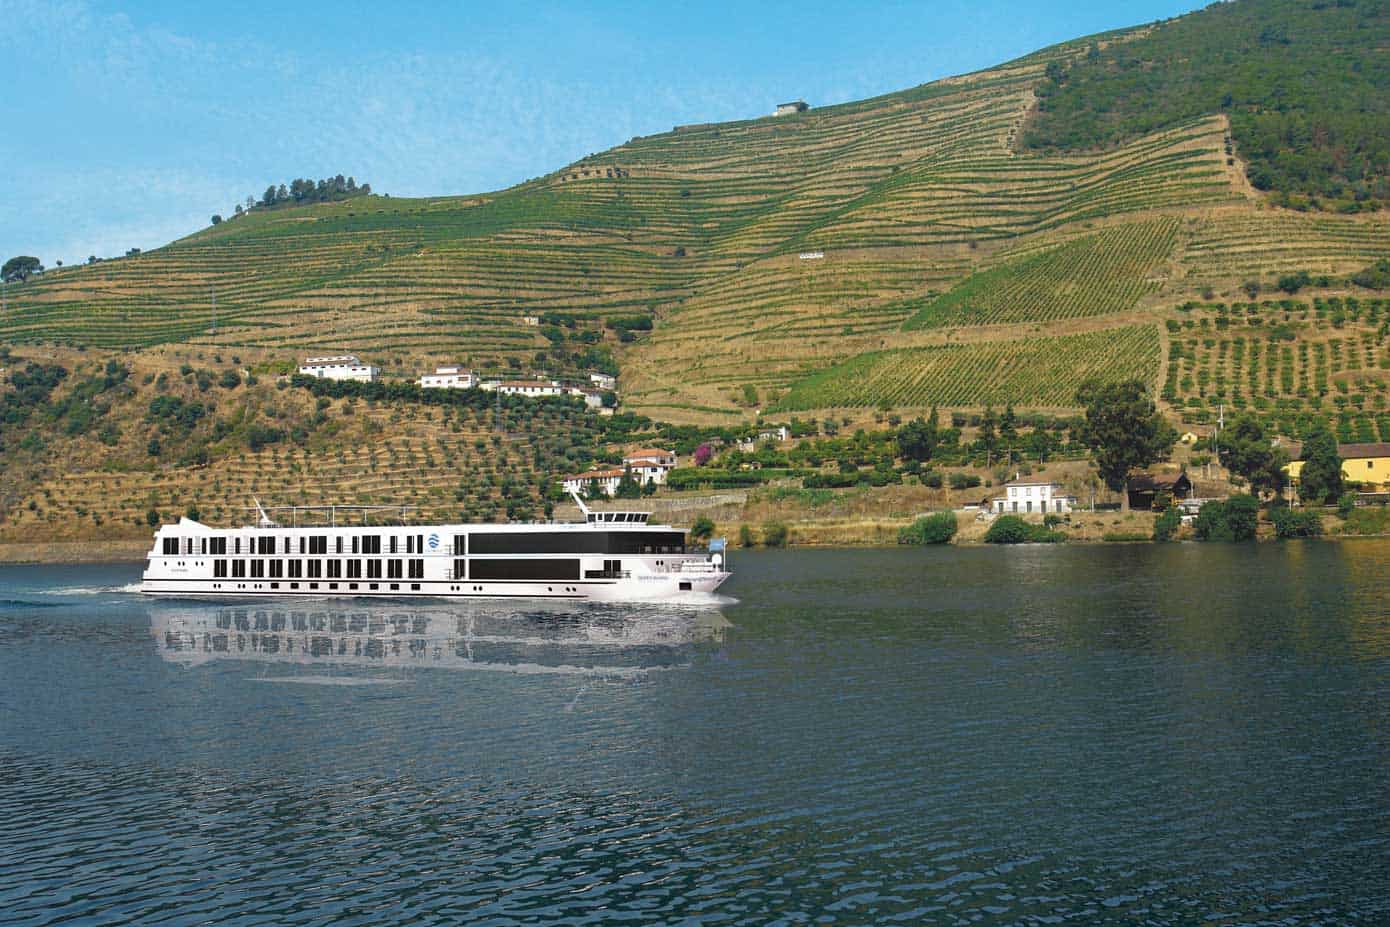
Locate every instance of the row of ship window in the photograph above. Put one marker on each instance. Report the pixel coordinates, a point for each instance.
(538, 542)
(274, 585)
(307, 544)
(480, 568)
(318, 569)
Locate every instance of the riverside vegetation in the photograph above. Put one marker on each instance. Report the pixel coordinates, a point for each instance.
(991, 240)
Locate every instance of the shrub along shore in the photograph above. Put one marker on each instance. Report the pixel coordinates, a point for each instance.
(1234, 520)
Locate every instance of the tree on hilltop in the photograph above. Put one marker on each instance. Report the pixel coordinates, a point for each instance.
(21, 268)
(1124, 430)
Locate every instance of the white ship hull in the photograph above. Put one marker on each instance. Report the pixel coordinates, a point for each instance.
(638, 589)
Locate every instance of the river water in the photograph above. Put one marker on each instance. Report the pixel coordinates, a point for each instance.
(1091, 735)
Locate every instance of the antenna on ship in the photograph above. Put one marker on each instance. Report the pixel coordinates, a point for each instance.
(580, 502)
(262, 519)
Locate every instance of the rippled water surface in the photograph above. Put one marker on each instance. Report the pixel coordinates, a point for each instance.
(1128, 735)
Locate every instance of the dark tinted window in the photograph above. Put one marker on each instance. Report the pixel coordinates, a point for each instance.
(578, 542)
(482, 568)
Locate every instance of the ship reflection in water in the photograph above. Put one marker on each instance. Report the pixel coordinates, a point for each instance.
(603, 640)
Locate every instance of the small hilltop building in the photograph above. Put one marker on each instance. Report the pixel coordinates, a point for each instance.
(449, 378)
(788, 109)
(603, 480)
(650, 464)
(338, 367)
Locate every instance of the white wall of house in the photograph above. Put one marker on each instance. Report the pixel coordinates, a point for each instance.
(449, 378)
(1023, 498)
(340, 367)
(607, 482)
(529, 389)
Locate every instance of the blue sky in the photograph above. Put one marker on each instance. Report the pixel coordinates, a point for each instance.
(128, 125)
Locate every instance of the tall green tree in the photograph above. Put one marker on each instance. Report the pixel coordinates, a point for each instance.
(1124, 430)
(21, 268)
(989, 434)
(1008, 430)
(1246, 451)
(1320, 480)
(917, 439)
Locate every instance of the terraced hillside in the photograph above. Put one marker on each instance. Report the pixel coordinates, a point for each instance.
(770, 253)
(107, 445)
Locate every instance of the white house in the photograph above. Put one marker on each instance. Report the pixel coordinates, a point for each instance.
(338, 367)
(1022, 496)
(449, 378)
(787, 109)
(650, 464)
(532, 388)
(593, 398)
(605, 480)
(603, 380)
(779, 434)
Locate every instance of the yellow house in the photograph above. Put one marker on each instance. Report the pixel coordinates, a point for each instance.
(1366, 464)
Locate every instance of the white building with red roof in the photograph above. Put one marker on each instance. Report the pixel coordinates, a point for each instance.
(605, 479)
(650, 464)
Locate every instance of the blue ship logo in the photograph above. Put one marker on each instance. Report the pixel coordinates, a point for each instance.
(434, 542)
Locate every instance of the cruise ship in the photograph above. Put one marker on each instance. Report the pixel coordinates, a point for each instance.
(610, 556)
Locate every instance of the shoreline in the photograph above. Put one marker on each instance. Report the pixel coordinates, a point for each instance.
(58, 553)
(65, 552)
